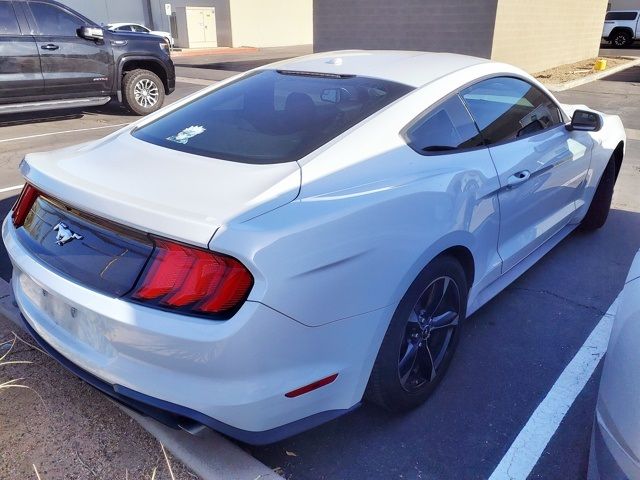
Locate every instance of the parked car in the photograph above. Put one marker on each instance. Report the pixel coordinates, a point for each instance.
(615, 448)
(621, 27)
(136, 27)
(53, 57)
(261, 256)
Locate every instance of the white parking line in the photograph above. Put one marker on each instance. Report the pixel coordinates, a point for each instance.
(15, 139)
(8, 189)
(526, 449)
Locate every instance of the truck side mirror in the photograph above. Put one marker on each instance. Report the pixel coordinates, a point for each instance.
(91, 33)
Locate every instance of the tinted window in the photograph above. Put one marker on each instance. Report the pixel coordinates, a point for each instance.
(125, 28)
(447, 127)
(138, 28)
(52, 20)
(621, 15)
(271, 117)
(507, 108)
(8, 20)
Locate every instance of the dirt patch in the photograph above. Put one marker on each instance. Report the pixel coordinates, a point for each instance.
(573, 71)
(66, 428)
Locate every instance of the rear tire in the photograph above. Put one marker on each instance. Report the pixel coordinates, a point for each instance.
(621, 39)
(421, 339)
(601, 204)
(142, 91)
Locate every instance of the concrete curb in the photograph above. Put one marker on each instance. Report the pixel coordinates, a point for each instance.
(591, 78)
(209, 455)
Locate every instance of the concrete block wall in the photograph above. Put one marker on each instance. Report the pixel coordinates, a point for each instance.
(539, 34)
(110, 11)
(459, 26)
(624, 4)
(532, 34)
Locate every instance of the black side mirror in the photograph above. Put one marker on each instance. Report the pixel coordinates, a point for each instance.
(585, 121)
(91, 33)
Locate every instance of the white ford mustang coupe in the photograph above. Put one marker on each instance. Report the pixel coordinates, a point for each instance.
(261, 256)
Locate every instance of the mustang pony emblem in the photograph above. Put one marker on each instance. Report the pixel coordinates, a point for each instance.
(65, 234)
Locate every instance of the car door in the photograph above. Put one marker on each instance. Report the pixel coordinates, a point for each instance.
(542, 166)
(455, 155)
(20, 74)
(71, 66)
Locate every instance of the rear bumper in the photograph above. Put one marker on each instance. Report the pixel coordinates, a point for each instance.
(229, 375)
(180, 417)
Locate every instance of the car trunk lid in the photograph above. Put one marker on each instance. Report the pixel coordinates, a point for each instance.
(180, 196)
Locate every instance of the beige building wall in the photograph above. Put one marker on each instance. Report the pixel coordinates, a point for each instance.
(271, 23)
(540, 34)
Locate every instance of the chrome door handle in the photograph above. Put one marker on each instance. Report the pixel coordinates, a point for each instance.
(49, 46)
(518, 178)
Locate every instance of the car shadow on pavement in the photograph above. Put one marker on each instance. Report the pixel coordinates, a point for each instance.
(629, 75)
(233, 66)
(511, 353)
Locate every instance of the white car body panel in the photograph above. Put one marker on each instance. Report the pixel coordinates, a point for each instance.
(333, 241)
(616, 434)
(159, 33)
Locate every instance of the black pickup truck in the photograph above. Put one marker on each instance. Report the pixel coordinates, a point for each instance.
(53, 57)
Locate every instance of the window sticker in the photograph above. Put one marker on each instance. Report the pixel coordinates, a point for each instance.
(188, 133)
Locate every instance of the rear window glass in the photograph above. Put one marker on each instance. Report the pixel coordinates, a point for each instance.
(621, 15)
(270, 116)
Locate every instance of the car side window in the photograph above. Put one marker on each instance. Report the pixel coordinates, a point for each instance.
(8, 20)
(124, 28)
(506, 108)
(53, 20)
(445, 128)
(138, 28)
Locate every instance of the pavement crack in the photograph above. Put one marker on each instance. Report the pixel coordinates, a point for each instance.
(561, 297)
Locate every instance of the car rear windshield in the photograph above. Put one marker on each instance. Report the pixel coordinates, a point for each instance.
(271, 116)
(621, 15)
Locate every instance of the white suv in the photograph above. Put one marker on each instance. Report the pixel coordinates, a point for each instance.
(621, 27)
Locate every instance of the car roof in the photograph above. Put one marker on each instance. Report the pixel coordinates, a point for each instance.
(409, 67)
(122, 24)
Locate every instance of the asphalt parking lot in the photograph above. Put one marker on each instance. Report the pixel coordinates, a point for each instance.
(512, 350)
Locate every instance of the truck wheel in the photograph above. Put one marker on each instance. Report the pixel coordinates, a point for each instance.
(621, 39)
(142, 91)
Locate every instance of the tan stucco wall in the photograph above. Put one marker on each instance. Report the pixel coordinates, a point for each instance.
(271, 23)
(540, 34)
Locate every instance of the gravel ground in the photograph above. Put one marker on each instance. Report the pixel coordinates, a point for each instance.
(65, 429)
(573, 71)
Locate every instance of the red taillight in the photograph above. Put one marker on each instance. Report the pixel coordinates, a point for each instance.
(23, 205)
(194, 280)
